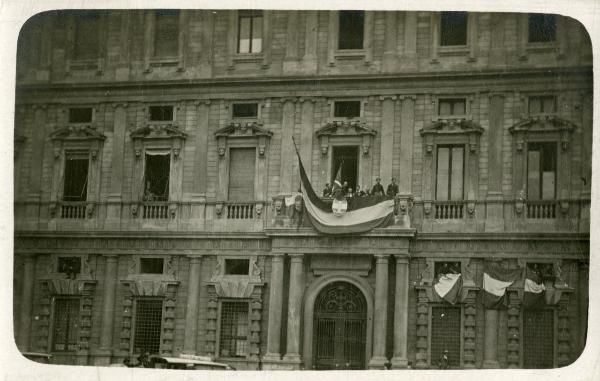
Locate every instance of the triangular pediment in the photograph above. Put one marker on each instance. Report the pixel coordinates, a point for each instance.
(242, 129)
(158, 131)
(453, 126)
(345, 127)
(549, 123)
(76, 132)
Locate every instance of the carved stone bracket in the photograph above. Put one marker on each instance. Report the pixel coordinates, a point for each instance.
(345, 128)
(167, 132)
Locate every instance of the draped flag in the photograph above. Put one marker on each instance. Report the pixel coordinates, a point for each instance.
(533, 290)
(361, 215)
(448, 287)
(495, 282)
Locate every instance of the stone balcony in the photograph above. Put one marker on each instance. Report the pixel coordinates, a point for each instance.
(426, 216)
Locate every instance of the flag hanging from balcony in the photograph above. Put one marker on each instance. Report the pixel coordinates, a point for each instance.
(362, 213)
(448, 287)
(495, 282)
(533, 290)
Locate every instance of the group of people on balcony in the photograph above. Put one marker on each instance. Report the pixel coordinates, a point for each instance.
(377, 190)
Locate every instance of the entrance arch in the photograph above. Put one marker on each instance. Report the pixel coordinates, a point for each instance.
(338, 307)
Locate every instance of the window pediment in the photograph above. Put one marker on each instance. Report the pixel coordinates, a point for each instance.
(84, 135)
(158, 131)
(540, 125)
(443, 130)
(251, 131)
(346, 128)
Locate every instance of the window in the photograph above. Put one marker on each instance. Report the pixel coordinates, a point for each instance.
(160, 113)
(80, 114)
(542, 27)
(453, 28)
(542, 104)
(156, 177)
(442, 268)
(346, 109)
(86, 42)
(151, 265)
(166, 33)
(445, 334)
(148, 319)
(452, 107)
(250, 24)
(75, 176)
(237, 266)
(241, 174)
(543, 271)
(244, 110)
(234, 329)
(69, 265)
(347, 158)
(538, 338)
(541, 171)
(65, 327)
(450, 170)
(351, 30)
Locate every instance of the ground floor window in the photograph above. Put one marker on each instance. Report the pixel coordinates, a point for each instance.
(445, 335)
(538, 338)
(234, 329)
(65, 329)
(148, 319)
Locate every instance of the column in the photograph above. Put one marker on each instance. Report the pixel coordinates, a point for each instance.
(390, 48)
(407, 125)
(494, 197)
(108, 311)
(287, 146)
(400, 359)
(26, 303)
(275, 301)
(292, 353)
(193, 300)
(380, 313)
(490, 344)
(387, 138)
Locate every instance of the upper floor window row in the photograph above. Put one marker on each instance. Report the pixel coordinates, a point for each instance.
(541, 27)
(250, 29)
(545, 104)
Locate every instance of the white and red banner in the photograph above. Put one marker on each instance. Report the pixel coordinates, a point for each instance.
(496, 280)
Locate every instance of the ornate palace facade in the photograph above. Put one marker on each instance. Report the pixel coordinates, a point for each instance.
(154, 156)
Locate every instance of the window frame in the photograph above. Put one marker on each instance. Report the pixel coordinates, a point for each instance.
(339, 56)
(246, 118)
(93, 117)
(450, 146)
(155, 55)
(72, 63)
(250, 14)
(66, 155)
(144, 168)
(360, 108)
(543, 42)
(528, 98)
(460, 307)
(556, 168)
(339, 30)
(441, 31)
(53, 323)
(139, 265)
(247, 274)
(152, 61)
(438, 99)
(234, 146)
(246, 301)
(554, 309)
(132, 348)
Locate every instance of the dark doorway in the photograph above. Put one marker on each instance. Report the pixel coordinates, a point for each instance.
(347, 157)
(340, 327)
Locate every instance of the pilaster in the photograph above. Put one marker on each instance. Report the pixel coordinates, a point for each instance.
(387, 136)
(400, 359)
(104, 353)
(379, 360)
(273, 354)
(191, 310)
(26, 306)
(294, 310)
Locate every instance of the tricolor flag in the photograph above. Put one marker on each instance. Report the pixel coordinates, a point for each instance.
(448, 287)
(533, 290)
(337, 192)
(363, 213)
(495, 282)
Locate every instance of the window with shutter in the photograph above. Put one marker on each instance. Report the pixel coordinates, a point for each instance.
(76, 176)
(250, 25)
(541, 171)
(450, 173)
(241, 174)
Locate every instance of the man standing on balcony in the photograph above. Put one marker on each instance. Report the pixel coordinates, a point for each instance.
(377, 188)
(392, 189)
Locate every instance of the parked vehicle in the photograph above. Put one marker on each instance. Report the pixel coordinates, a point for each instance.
(43, 358)
(189, 362)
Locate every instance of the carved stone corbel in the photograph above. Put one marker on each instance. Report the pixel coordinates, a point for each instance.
(219, 208)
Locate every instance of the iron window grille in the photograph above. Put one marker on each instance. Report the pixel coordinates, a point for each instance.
(65, 327)
(538, 338)
(250, 25)
(233, 337)
(147, 330)
(445, 335)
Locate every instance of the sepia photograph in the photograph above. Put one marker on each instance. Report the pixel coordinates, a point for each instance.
(304, 189)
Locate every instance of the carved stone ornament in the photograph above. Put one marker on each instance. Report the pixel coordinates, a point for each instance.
(250, 131)
(167, 132)
(80, 134)
(545, 124)
(346, 128)
(452, 127)
(219, 209)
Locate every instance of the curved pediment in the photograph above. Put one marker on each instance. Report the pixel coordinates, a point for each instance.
(549, 123)
(158, 131)
(76, 132)
(345, 127)
(242, 129)
(453, 126)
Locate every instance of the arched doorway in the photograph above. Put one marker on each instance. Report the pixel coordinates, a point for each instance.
(340, 327)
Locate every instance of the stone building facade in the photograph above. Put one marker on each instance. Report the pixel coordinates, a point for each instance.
(154, 155)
